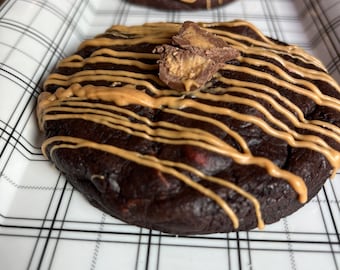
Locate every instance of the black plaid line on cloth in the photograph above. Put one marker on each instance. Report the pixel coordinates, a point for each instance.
(322, 23)
(51, 226)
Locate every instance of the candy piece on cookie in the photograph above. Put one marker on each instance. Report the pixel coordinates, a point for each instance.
(193, 58)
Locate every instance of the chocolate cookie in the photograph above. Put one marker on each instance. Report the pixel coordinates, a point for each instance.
(181, 4)
(192, 128)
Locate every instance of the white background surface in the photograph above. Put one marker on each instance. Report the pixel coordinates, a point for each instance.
(45, 224)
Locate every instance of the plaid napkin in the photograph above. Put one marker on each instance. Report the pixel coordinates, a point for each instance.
(45, 224)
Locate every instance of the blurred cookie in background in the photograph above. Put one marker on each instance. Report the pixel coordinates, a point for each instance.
(181, 4)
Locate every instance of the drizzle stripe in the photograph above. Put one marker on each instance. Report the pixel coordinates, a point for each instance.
(317, 97)
(149, 161)
(130, 96)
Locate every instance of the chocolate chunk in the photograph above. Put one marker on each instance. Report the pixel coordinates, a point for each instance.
(193, 59)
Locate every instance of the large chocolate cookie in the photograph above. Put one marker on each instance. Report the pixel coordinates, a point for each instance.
(189, 129)
(181, 4)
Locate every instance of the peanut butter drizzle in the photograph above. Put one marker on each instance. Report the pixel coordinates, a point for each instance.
(291, 50)
(317, 97)
(127, 96)
(162, 165)
(245, 86)
(70, 101)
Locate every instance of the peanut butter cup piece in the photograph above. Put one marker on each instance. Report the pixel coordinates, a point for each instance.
(193, 58)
